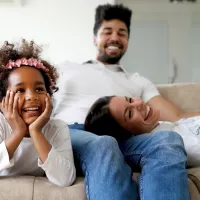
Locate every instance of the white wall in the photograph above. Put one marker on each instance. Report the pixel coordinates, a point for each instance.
(179, 19)
(65, 26)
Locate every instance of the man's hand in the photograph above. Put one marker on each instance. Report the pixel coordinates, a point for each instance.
(41, 121)
(9, 107)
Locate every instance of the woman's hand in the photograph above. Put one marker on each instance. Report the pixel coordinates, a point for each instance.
(41, 121)
(9, 107)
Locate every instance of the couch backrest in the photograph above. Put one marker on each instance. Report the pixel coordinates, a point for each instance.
(184, 95)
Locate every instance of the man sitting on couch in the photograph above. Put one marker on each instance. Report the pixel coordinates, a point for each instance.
(160, 156)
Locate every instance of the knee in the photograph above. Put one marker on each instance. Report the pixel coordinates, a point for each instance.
(102, 149)
(171, 143)
(169, 138)
(105, 143)
(102, 146)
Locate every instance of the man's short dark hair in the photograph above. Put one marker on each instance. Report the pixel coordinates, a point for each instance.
(109, 12)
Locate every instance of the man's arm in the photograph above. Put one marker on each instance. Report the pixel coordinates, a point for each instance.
(168, 110)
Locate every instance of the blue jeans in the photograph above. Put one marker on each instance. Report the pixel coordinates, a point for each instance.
(108, 166)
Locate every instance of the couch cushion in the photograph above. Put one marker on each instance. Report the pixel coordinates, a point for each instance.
(16, 188)
(44, 190)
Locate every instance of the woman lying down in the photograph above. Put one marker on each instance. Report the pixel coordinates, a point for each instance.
(123, 117)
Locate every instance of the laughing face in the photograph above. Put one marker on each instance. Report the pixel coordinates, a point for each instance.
(133, 114)
(111, 41)
(28, 84)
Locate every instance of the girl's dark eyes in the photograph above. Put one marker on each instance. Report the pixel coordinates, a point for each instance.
(130, 100)
(40, 89)
(19, 90)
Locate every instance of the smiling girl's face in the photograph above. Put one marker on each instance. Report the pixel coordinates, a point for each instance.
(28, 84)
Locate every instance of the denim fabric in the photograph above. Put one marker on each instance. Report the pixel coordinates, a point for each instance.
(108, 166)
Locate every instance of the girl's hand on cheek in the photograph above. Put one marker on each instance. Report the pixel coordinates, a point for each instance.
(9, 107)
(41, 121)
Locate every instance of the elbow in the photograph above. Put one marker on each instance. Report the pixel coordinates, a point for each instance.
(68, 178)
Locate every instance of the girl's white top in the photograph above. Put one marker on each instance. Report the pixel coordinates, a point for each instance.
(59, 165)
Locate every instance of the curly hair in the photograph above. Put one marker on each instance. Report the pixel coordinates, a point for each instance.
(24, 49)
(109, 12)
(100, 121)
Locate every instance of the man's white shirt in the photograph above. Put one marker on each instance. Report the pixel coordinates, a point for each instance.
(81, 85)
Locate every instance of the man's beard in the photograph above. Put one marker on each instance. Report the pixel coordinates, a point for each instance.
(105, 58)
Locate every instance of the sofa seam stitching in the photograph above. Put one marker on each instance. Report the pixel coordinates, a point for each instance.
(33, 188)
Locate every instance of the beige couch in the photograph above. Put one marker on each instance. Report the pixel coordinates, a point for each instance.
(31, 188)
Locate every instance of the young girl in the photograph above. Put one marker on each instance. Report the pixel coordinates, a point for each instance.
(123, 117)
(30, 142)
